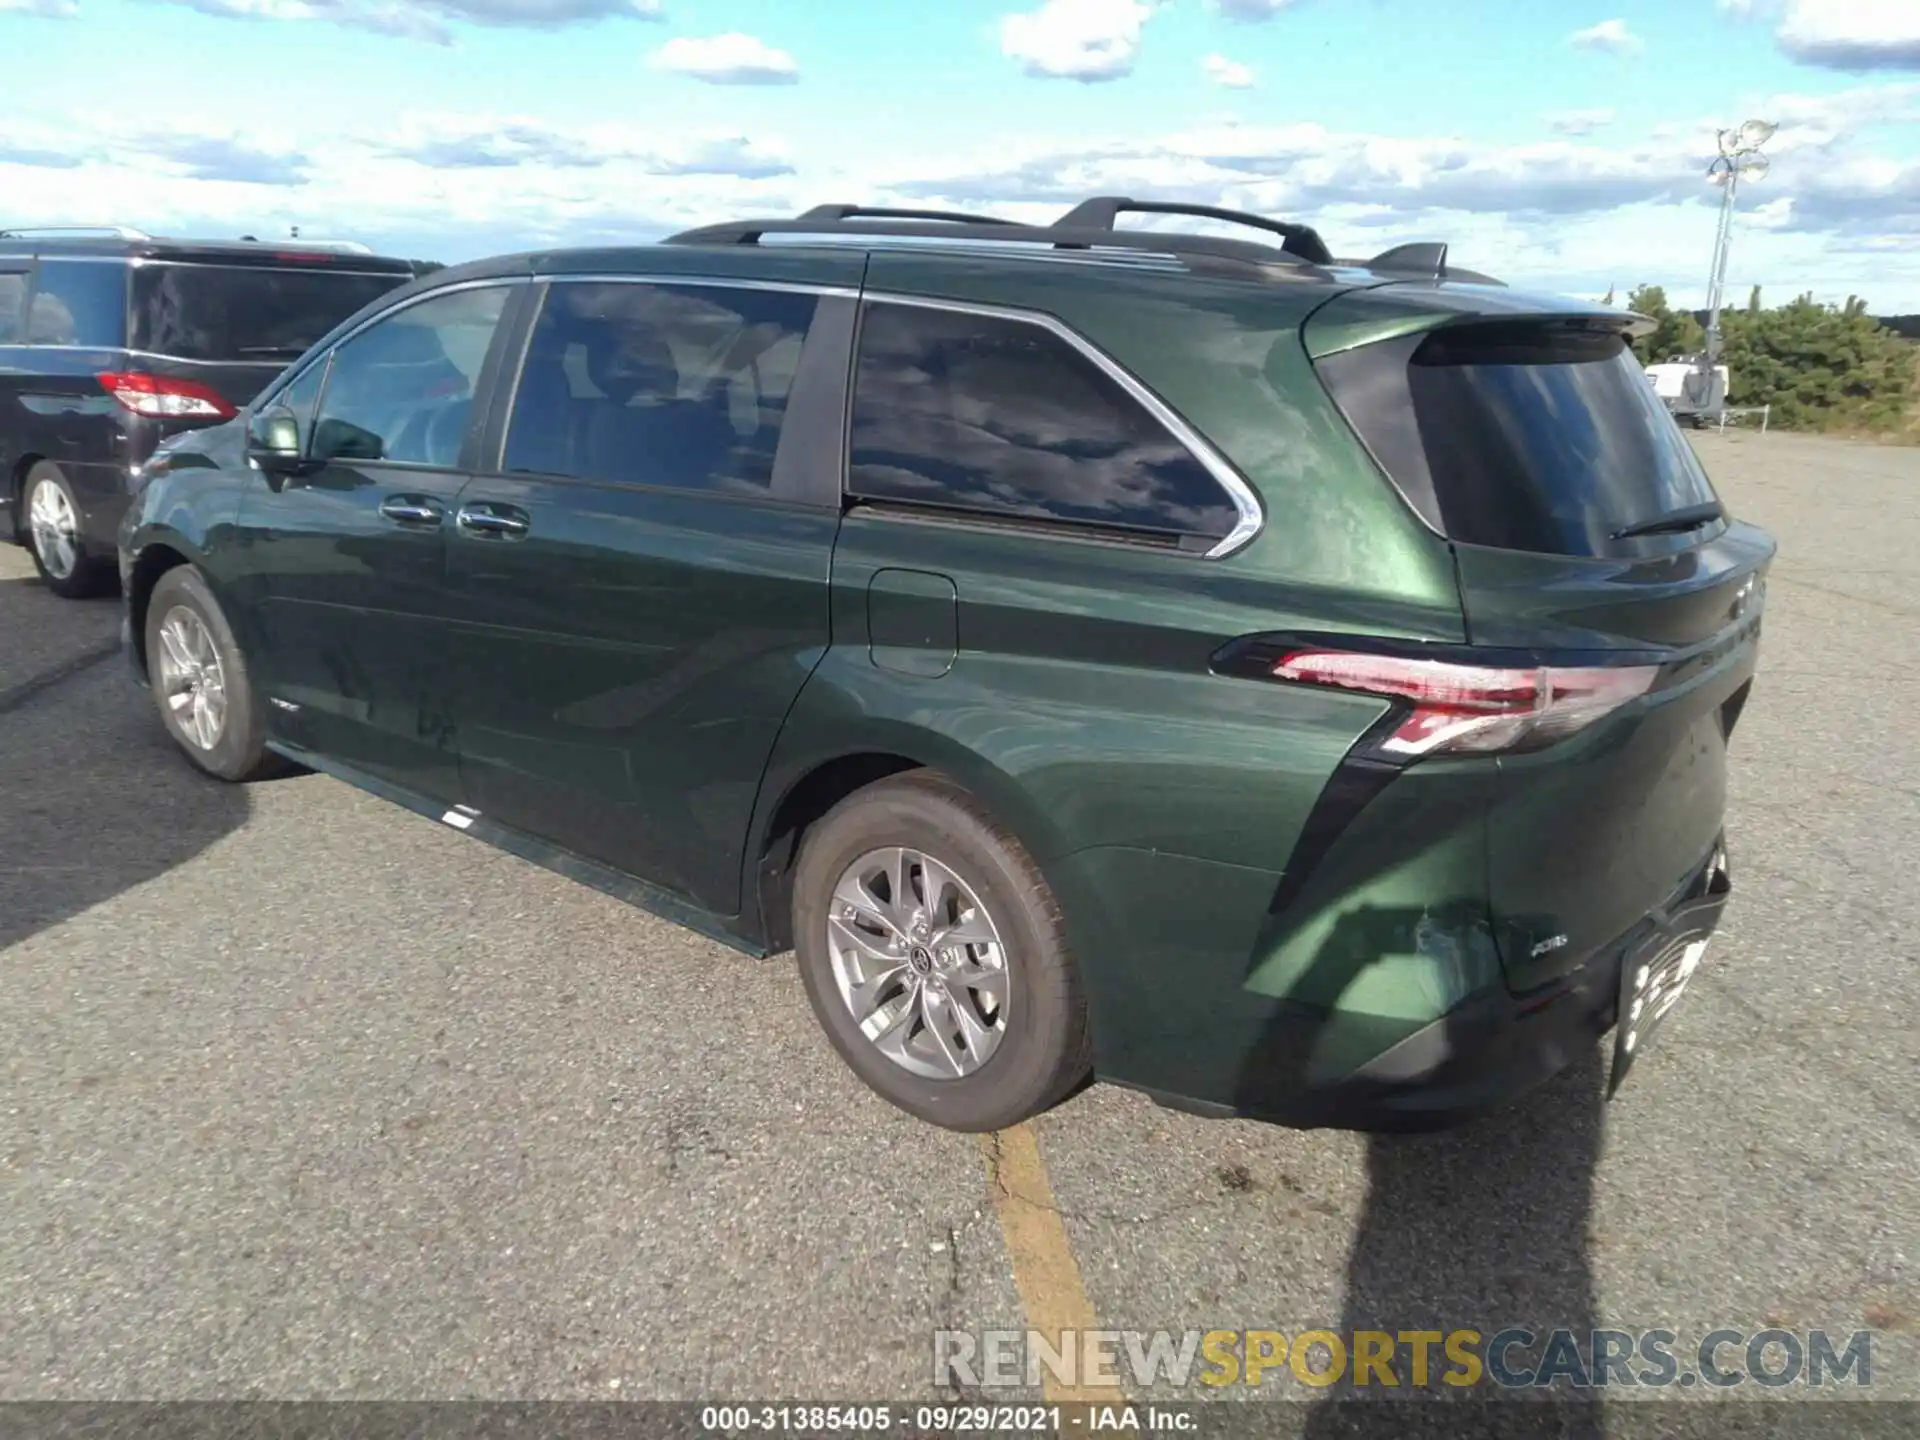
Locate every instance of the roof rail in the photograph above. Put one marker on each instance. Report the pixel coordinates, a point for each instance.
(883, 212)
(1205, 250)
(1090, 226)
(1101, 211)
(111, 232)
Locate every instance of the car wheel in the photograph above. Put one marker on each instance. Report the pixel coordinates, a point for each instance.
(935, 957)
(199, 679)
(52, 517)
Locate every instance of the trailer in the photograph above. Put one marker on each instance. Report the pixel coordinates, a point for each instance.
(1690, 390)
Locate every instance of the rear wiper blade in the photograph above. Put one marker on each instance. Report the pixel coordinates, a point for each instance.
(1687, 517)
(273, 349)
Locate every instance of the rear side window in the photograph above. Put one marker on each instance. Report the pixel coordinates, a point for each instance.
(1004, 418)
(78, 302)
(1523, 437)
(244, 313)
(13, 300)
(680, 386)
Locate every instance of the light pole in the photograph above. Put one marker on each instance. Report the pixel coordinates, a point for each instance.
(1739, 159)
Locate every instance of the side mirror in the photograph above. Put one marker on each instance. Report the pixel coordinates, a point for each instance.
(273, 443)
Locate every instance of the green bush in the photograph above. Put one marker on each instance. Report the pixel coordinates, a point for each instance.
(1821, 367)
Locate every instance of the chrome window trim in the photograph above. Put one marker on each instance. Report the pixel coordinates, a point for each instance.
(1245, 501)
(704, 282)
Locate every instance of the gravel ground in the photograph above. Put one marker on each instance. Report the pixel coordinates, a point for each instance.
(304, 1096)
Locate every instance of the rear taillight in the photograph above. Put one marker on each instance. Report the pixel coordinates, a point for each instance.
(162, 397)
(1473, 709)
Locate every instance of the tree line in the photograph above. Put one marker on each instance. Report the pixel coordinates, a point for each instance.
(1821, 367)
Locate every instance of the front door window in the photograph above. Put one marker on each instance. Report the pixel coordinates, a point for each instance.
(401, 391)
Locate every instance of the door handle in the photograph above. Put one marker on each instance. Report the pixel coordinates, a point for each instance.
(411, 510)
(504, 521)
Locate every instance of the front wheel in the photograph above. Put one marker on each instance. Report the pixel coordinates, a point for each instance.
(59, 552)
(199, 679)
(935, 957)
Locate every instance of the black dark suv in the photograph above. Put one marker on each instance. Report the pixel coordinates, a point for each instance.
(111, 340)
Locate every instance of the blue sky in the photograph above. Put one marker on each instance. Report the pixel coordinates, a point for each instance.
(1559, 145)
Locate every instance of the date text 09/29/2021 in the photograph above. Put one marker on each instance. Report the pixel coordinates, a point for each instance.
(949, 1419)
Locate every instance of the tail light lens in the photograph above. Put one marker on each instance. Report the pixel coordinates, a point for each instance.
(1473, 709)
(162, 397)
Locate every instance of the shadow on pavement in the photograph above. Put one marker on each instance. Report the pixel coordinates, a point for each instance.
(1482, 1228)
(95, 797)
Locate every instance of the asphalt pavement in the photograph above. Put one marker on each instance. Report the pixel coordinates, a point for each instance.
(304, 1096)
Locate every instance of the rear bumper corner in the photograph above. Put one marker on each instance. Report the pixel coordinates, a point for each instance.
(1485, 1053)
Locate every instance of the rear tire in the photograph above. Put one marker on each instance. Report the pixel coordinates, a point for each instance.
(977, 1033)
(50, 524)
(200, 682)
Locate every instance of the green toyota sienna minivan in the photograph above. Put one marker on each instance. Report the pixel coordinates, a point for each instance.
(1293, 687)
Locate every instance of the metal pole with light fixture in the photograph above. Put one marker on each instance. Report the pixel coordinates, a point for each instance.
(1739, 159)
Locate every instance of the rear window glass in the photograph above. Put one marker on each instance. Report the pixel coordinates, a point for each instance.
(78, 302)
(244, 313)
(1522, 437)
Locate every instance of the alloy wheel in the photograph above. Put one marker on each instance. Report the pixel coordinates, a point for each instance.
(919, 962)
(193, 683)
(55, 528)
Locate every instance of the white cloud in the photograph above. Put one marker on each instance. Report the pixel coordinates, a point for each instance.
(1303, 167)
(1852, 34)
(443, 187)
(1578, 122)
(730, 59)
(1612, 36)
(474, 142)
(45, 9)
(1229, 73)
(1739, 9)
(1561, 214)
(1250, 10)
(181, 154)
(1085, 40)
(430, 20)
(1839, 212)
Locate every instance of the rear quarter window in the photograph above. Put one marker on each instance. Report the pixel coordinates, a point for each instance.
(1001, 417)
(1543, 438)
(78, 302)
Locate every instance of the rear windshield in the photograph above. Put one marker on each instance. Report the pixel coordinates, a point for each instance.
(244, 313)
(1524, 437)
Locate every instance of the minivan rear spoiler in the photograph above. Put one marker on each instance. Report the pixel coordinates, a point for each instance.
(1381, 312)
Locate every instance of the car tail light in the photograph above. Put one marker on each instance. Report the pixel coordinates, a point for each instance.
(162, 397)
(1473, 709)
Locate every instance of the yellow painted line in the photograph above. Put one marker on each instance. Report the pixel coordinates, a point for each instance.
(1044, 1270)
